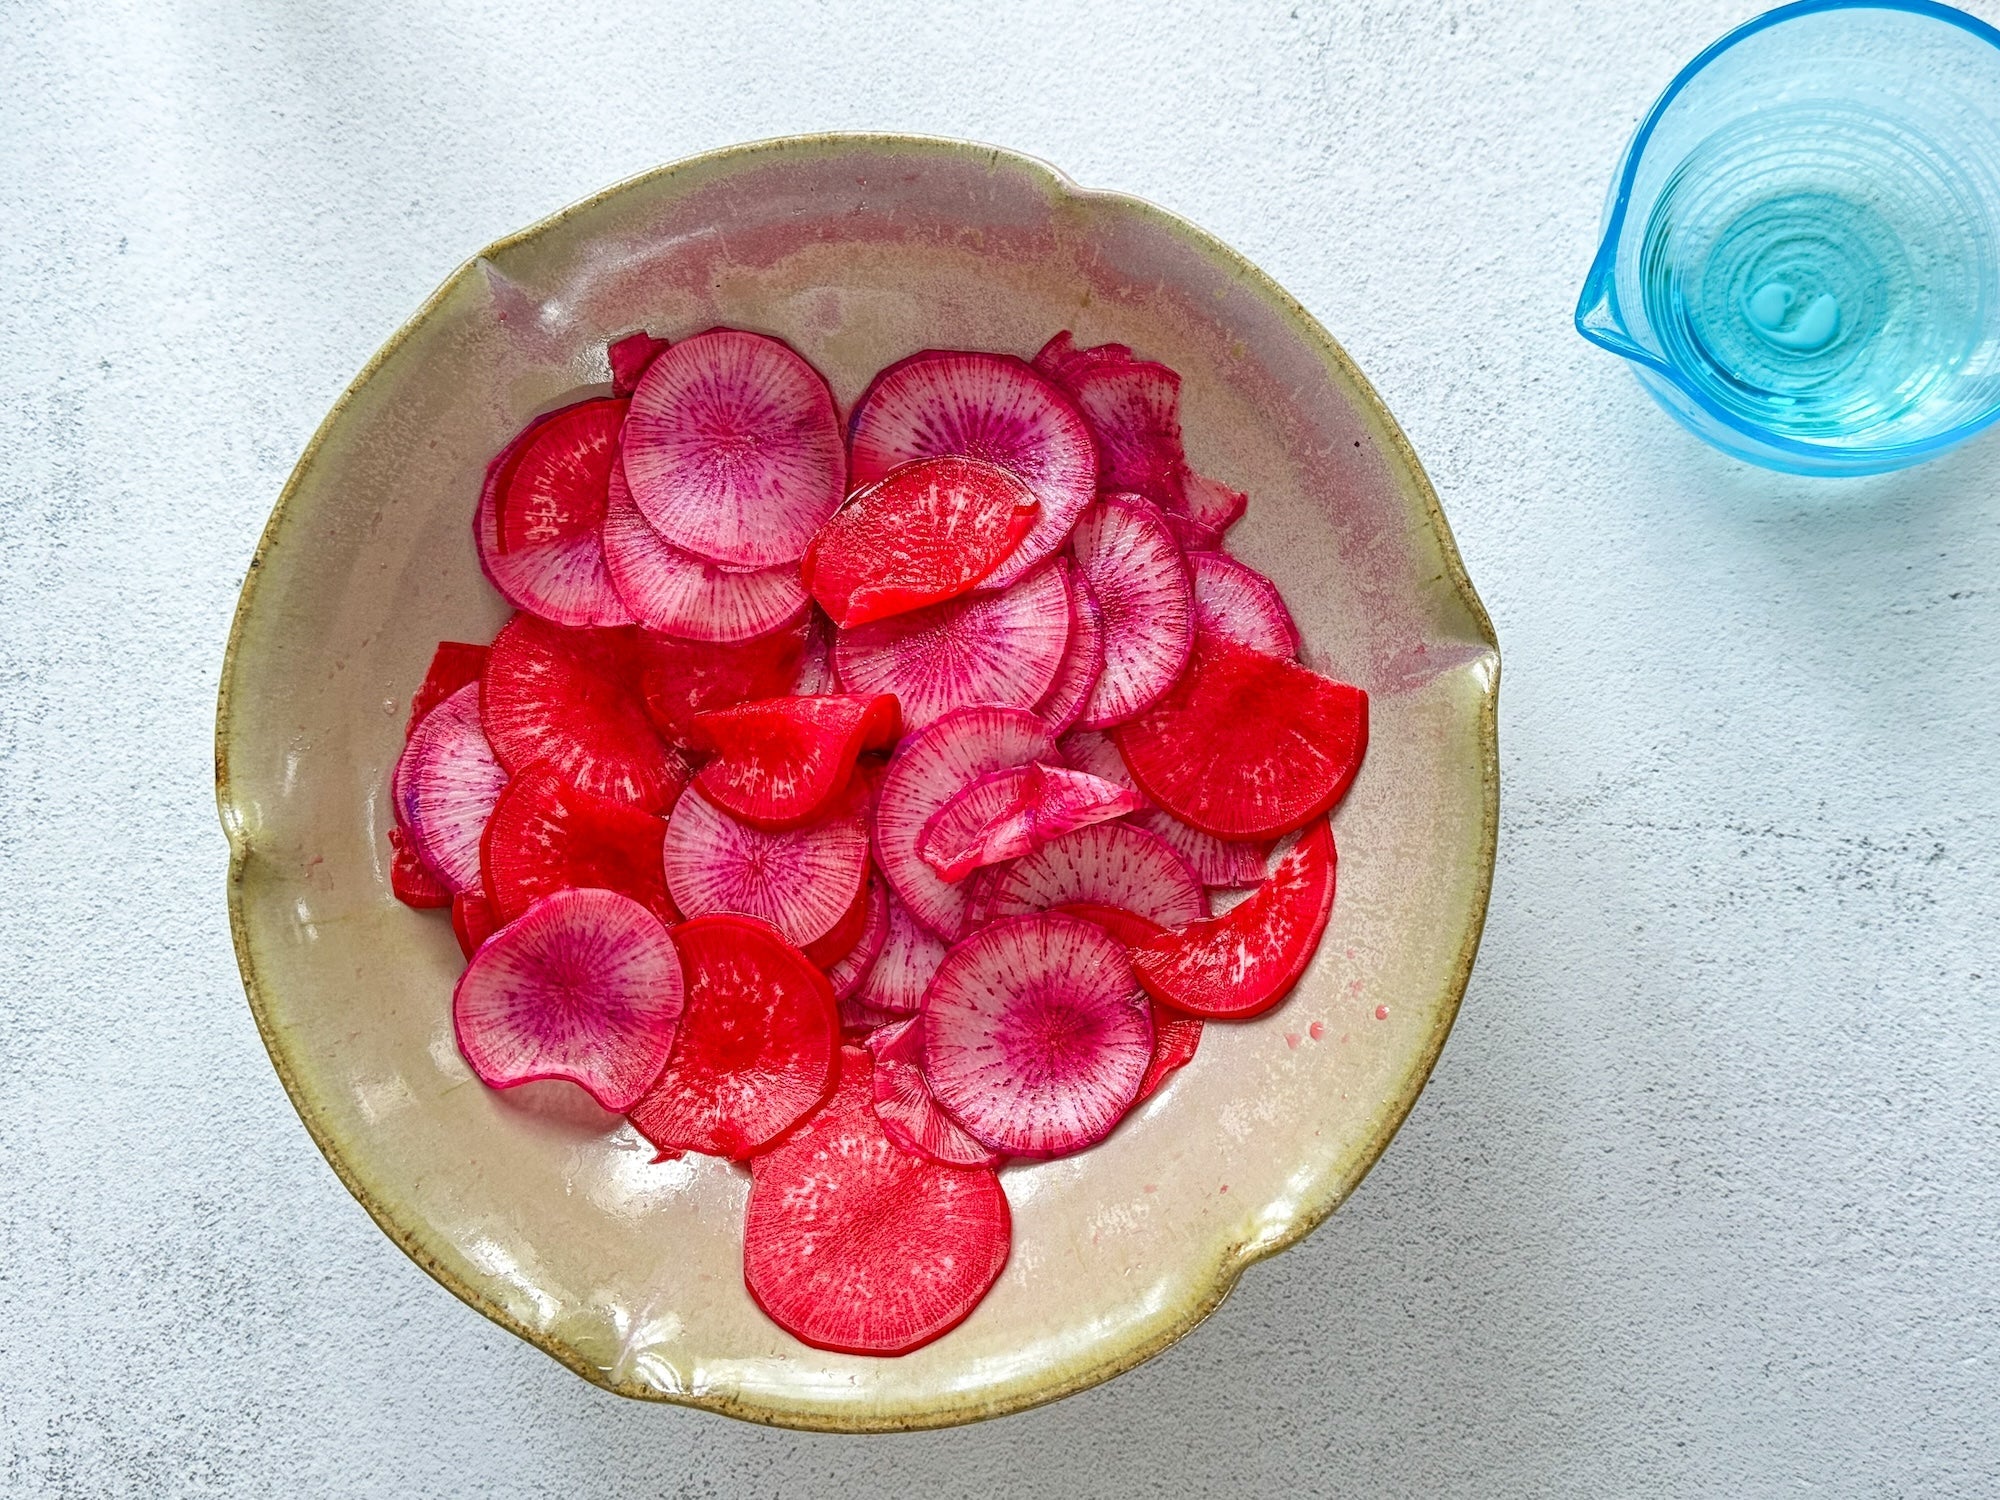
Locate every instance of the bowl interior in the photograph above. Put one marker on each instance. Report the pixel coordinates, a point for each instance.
(552, 1217)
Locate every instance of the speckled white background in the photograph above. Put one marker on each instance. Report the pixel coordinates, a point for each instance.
(1703, 1198)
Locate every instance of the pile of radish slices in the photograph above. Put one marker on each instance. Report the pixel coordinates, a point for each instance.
(848, 802)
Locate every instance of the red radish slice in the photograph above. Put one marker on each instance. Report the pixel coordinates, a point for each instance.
(910, 1116)
(1134, 569)
(546, 836)
(756, 1047)
(1011, 812)
(472, 921)
(1083, 658)
(902, 971)
(570, 697)
(999, 648)
(984, 406)
(853, 1245)
(928, 770)
(1247, 746)
(732, 449)
(1235, 601)
(1062, 359)
(838, 941)
(453, 665)
(1111, 864)
(445, 785)
(1214, 861)
(1175, 1036)
(558, 480)
(815, 678)
(680, 679)
(925, 532)
(553, 564)
(1244, 962)
(1133, 408)
(780, 761)
(586, 987)
(849, 973)
(1213, 507)
(410, 881)
(630, 357)
(801, 882)
(1036, 1036)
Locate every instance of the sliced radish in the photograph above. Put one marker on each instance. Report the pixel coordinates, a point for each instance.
(544, 554)
(1212, 508)
(472, 921)
(1062, 359)
(801, 882)
(445, 784)
(1083, 657)
(586, 987)
(410, 880)
(1009, 813)
(453, 665)
(999, 648)
(930, 768)
(630, 357)
(1134, 569)
(756, 1047)
(850, 972)
(1175, 1035)
(1235, 601)
(570, 697)
(1214, 861)
(1133, 408)
(1036, 1036)
(680, 679)
(1247, 746)
(853, 1245)
(839, 940)
(925, 532)
(902, 971)
(733, 450)
(1244, 962)
(1111, 864)
(814, 678)
(984, 406)
(781, 761)
(545, 836)
(909, 1114)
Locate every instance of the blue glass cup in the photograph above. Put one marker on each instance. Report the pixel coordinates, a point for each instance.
(1801, 249)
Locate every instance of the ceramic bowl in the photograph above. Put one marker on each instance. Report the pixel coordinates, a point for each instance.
(553, 1219)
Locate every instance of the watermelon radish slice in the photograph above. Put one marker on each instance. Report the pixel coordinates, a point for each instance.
(1133, 566)
(679, 679)
(853, 1245)
(1214, 861)
(546, 836)
(815, 678)
(858, 1018)
(1244, 962)
(549, 559)
(1212, 508)
(801, 882)
(1247, 746)
(930, 768)
(839, 939)
(1083, 657)
(444, 787)
(984, 406)
(781, 761)
(848, 973)
(630, 357)
(732, 449)
(1175, 1036)
(925, 532)
(453, 665)
(471, 921)
(1133, 408)
(568, 697)
(1002, 648)
(1062, 359)
(1012, 812)
(1110, 864)
(895, 983)
(910, 1116)
(410, 881)
(1036, 1036)
(756, 1048)
(1235, 601)
(586, 987)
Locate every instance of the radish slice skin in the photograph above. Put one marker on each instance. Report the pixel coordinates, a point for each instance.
(1016, 811)
(910, 1116)
(1111, 864)
(1216, 862)
(895, 983)
(801, 882)
(553, 566)
(1133, 567)
(1235, 601)
(585, 987)
(445, 785)
(1176, 1035)
(545, 836)
(850, 972)
(1083, 658)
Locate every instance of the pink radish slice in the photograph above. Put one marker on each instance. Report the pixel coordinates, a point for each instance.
(985, 406)
(1036, 1036)
(801, 881)
(1133, 408)
(847, 975)
(563, 579)
(1083, 658)
(1235, 601)
(816, 679)
(1215, 861)
(859, 1018)
(928, 770)
(584, 986)
(1002, 648)
(444, 787)
(903, 1103)
(732, 449)
(1062, 359)
(1107, 864)
(902, 971)
(1133, 566)
(1011, 812)
(1213, 507)
(630, 357)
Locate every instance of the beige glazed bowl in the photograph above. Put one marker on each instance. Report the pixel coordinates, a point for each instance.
(552, 1218)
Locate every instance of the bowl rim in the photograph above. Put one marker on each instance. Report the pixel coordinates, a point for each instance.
(1063, 1380)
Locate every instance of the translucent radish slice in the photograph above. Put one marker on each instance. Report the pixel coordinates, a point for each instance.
(472, 921)
(1111, 864)
(552, 562)
(1134, 569)
(445, 785)
(1062, 359)
(902, 971)
(910, 1116)
(453, 665)
(570, 697)
(410, 879)
(999, 648)
(679, 679)
(927, 771)
(851, 972)
(801, 882)
(630, 357)
(546, 836)
(1247, 746)
(732, 449)
(1213, 507)
(1012, 812)
(1215, 861)
(853, 1245)
(1083, 657)
(1244, 962)
(586, 987)
(985, 406)
(1175, 1035)
(1036, 1036)
(1133, 408)
(757, 1044)
(781, 761)
(1235, 601)
(815, 677)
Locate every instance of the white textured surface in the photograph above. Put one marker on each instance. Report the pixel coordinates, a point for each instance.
(1703, 1199)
